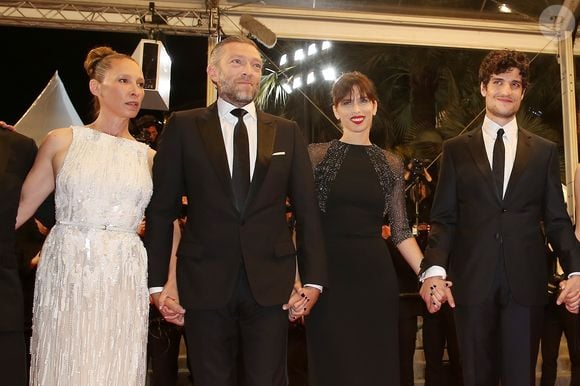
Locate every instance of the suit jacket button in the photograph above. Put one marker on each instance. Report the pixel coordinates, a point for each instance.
(504, 210)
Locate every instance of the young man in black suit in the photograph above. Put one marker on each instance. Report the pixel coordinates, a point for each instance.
(499, 189)
(236, 262)
(17, 154)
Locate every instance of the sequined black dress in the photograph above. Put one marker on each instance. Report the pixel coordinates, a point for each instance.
(353, 329)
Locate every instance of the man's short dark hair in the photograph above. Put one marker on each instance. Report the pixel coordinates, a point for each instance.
(146, 121)
(500, 61)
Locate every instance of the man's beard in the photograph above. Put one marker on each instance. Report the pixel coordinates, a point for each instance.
(231, 92)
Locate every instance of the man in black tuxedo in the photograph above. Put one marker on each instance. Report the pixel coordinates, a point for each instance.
(499, 189)
(236, 261)
(17, 154)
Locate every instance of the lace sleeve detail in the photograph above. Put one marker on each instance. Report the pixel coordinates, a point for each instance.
(317, 151)
(396, 208)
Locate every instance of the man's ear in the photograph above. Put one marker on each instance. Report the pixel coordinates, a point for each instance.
(212, 73)
(483, 89)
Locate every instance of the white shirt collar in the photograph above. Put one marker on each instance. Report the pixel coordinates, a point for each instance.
(224, 109)
(490, 128)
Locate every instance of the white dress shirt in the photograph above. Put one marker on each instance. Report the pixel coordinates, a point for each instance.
(228, 122)
(510, 140)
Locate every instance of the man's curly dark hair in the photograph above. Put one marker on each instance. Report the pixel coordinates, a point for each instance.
(500, 61)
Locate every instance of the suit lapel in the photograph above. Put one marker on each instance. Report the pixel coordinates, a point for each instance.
(477, 148)
(266, 137)
(213, 141)
(521, 160)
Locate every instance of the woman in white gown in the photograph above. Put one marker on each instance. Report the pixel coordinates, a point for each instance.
(90, 312)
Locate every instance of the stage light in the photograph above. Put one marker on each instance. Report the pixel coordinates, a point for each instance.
(299, 55)
(329, 73)
(297, 83)
(284, 59)
(155, 63)
(312, 49)
(504, 8)
(325, 45)
(287, 87)
(310, 78)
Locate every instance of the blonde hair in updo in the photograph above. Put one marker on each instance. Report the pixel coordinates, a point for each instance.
(97, 63)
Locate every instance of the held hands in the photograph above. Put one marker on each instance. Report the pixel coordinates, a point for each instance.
(301, 301)
(570, 294)
(435, 291)
(167, 301)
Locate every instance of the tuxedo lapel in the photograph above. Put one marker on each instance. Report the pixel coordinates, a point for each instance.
(266, 137)
(477, 149)
(521, 160)
(213, 141)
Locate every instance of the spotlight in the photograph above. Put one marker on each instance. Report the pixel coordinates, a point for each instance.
(504, 8)
(284, 59)
(297, 83)
(287, 87)
(299, 55)
(329, 73)
(312, 49)
(310, 78)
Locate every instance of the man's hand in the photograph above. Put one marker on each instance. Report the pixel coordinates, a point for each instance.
(570, 294)
(435, 291)
(167, 301)
(301, 302)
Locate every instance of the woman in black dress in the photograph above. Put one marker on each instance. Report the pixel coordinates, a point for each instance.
(353, 330)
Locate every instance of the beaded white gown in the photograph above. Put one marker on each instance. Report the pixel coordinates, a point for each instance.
(90, 312)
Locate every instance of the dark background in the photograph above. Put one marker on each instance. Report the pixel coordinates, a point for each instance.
(30, 56)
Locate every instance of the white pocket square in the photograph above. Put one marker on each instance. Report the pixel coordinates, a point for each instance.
(279, 153)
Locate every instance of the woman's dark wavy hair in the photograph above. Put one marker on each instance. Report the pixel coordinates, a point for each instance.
(344, 84)
(500, 61)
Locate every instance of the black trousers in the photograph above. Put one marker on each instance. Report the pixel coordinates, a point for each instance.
(243, 343)
(13, 368)
(558, 320)
(499, 338)
(163, 349)
(438, 334)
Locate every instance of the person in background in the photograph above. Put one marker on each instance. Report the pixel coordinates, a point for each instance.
(164, 340)
(146, 129)
(17, 153)
(557, 321)
(90, 308)
(352, 334)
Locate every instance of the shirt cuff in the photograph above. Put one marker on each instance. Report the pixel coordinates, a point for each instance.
(318, 287)
(155, 290)
(435, 270)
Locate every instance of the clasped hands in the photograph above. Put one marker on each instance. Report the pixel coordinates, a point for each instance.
(570, 294)
(301, 301)
(167, 302)
(435, 291)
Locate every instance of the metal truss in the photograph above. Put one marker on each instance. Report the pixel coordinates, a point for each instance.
(109, 17)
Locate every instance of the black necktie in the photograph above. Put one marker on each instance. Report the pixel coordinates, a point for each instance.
(241, 164)
(499, 161)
